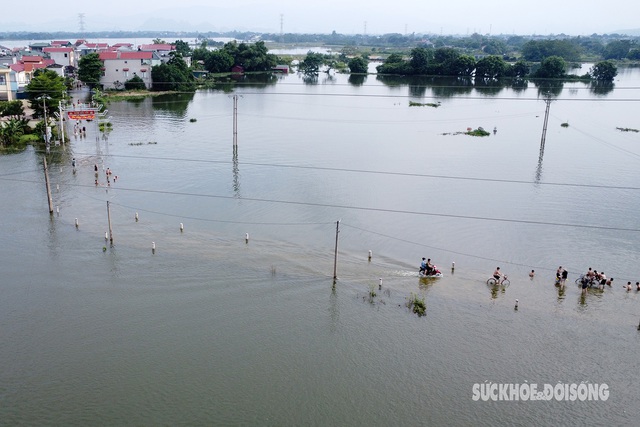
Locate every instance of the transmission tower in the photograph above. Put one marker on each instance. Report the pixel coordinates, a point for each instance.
(281, 28)
(81, 22)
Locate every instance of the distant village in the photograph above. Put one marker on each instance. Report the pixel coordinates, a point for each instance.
(121, 62)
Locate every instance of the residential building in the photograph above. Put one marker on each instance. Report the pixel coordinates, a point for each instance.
(122, 66)
(8, 83)
(64, 56)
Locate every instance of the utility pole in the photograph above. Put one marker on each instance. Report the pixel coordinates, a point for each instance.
(61, 121)
(109, 220)
(543, 139)
(235, 121)
(546, 120)
(335, 255)
(46, 124)
(46, 182)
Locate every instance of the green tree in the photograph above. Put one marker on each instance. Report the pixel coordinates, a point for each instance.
(311, 63)
(395, 64)
(495, 47)
(553, 67)
(135, 83)
(12, 130)
(11, 108)
(358, 65)
(617, 49)
(46, 88)
(462, 66)
(182, 48)
(90, 69)
(199, 54)
(519, 70)
(634, 54)
(491, 67)
(218, 61)
(174, 75)
(604, 71)
(420, 60)
(444, 62)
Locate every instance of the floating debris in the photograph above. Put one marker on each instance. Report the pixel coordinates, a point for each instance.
(477, 132)
(628, 130)
(429, 104)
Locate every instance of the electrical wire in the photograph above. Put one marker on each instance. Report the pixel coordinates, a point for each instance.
(374, 172)
(360, 208)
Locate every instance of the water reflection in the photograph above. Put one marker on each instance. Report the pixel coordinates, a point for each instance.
(602, 88)
(259, 81)
(357, 79)
(496, 290)
(561, 291)
(547, 87)
(519, 85)
(175, 104)
(310, 79)
(236, 173)
(447, 87)
(489, 87)
(334, 312)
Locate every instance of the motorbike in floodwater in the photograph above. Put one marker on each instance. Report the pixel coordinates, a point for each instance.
(433, 273)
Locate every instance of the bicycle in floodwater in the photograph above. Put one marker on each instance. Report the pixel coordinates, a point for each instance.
(503, 281)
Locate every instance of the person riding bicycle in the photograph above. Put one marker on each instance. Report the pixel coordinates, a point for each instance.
(497, 274)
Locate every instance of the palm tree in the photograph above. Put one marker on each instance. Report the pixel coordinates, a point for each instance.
(12, 130)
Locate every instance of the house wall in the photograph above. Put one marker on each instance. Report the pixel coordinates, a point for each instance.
(114, 71)
(60, 58)
(8, 85)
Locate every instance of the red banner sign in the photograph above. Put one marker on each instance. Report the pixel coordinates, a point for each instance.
(82, 115)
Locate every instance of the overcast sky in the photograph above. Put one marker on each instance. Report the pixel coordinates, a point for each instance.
(573, 17)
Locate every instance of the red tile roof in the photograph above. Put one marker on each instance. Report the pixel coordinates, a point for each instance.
(153, 47)
(125, 55)
(17, 67)
(57, 49)
(32, 58)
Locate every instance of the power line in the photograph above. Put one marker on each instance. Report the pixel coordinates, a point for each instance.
(363, 208)
(368, 171)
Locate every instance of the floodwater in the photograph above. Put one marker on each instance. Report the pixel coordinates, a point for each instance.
(212, 329)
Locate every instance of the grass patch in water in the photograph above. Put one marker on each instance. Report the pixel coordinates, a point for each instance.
(428, 104)
(417, 305)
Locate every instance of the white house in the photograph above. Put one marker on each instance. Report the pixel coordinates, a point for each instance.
(64, 56)
(8, 83)
(122, 66)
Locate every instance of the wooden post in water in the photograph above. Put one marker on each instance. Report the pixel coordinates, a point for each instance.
(46, 181)
(335, 255)
(544, 126)
(235, 121)
(109, 219)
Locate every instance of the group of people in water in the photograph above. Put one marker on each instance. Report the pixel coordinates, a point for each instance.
(77, 130)
(108, 174)
(426, 267)
(592, 278)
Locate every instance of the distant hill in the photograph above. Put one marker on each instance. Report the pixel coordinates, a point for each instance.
(635, 32)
